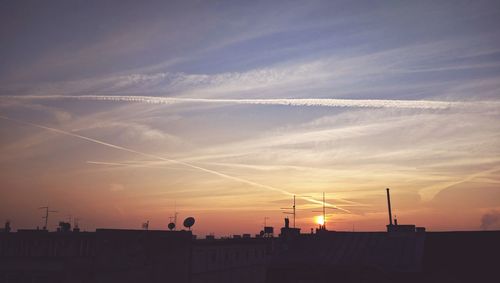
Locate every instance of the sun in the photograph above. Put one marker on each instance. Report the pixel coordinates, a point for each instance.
(319, 220)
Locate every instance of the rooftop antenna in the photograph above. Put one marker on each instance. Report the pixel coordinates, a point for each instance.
(324, 211)
(7, 227)
(173, 219)
(46, 217)
(173, 222)
(293, 208)
(265, 221)
(75, 222)
(324, 214)
(287, 212)
(389, 206)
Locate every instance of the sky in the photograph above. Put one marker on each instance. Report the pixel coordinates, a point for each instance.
(120, 112)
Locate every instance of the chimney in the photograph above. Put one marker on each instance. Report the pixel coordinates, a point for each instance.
(389, 206)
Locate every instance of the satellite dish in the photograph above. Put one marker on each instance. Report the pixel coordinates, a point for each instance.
(171, 226)
(188, 222)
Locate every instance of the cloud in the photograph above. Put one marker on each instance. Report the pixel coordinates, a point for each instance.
(430, 69)
(157, 157)
(490, 220)
(133, 131)
(57, 114)
(324, 102)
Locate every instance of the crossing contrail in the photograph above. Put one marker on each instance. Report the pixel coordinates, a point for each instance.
(324, 102)
(189, 165)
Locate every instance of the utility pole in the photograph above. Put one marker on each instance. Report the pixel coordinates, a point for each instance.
(46, 217)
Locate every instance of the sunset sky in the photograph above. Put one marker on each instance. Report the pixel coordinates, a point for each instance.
(265, 99)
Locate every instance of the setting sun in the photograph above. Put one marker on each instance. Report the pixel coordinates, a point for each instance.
(319, 220)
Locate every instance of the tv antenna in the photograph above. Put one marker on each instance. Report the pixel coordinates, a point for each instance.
(324, 212)
(173, 222)
(293, 208)
(265, 221)
(173, 219)
(75, 222)
(145, 225)
(46, 217)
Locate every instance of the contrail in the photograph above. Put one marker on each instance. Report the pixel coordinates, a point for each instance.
(130, 165)
(325, 102)
(146, 165)
(213, 172)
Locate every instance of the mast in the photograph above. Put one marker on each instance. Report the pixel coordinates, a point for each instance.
(324, 213)
(389, 206)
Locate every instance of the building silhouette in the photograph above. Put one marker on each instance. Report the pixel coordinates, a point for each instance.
(405, 253)
(111, 255)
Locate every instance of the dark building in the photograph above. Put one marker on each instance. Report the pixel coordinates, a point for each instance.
(101, 256)
(175, 256)
(462, 256)
(241, 259)
(387, 257)
(405, 253)
(347, 257)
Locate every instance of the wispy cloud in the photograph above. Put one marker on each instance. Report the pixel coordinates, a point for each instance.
(210, 171)
(364, 103)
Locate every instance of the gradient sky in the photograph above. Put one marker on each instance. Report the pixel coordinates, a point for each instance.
(230, 164)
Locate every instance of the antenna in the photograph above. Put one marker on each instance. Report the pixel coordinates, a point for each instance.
(173, 219)
(293, 208)
(286, 212)
(324, 211)
(175, 213)
(7, 226)
(265, 221)
(145, 225)
(324, 214)
(389, 206)
(46, 217)
(75, 222)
